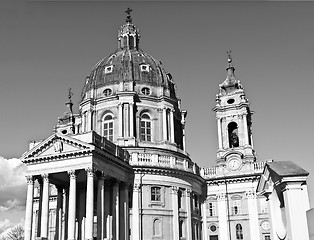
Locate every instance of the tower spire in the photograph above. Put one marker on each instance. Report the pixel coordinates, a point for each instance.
(230, 68)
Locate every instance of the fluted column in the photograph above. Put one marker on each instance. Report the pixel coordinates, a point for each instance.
(120, 109)
(164, 124)
(175, 217)
(58, 232)
(126, 211)
(89, 204)
(107, 226)
(253, 215)
(245, 130)
(136, 212)
(222, 217)
(101, 208)
(204, 220)
(189, 215)
(72, 206)
(116, 210)
(219, 133)
(131, 119)
(29, 208)
(45, 207)
(171, 126)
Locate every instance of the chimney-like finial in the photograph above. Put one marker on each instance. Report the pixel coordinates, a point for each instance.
(128, 16)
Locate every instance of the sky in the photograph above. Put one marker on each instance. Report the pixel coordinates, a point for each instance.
(48, 46)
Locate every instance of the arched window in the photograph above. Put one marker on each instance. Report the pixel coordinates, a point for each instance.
(157, 227)
(239, 232)
(233, 135)
(146, 128)
(131, 42)
(108, 127)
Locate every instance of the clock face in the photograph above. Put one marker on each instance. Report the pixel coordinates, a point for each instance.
(234, 164)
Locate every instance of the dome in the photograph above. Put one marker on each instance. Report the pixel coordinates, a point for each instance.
(129, 64)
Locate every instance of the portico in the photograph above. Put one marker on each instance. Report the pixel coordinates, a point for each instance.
(87, 175)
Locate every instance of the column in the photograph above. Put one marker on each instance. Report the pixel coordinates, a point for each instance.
(204, 220)
(164, 124)
(120, 109)
(89, 204)
(72, 206)
(126, 211)
(189, 215)
(65, 207)
(171, 126)
(58, 232)
(131, 119)
(126, 120)
(245, 130)
(107, 229)
(175, 209)
(45, 207)
(136, 212)
(295, 211)
(222, 217)
(253, 214)
(116, 210)
(219, 133)
(29, 208)
(101, 208)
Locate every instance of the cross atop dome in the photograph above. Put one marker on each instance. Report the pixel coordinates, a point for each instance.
(128, 17)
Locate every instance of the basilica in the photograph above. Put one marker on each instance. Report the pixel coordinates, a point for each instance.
(117, 168)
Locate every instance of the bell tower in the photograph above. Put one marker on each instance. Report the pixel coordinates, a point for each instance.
(233, 116)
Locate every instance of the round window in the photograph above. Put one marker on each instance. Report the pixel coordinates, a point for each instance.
(146, 91)
(107, 92)
(213, 228)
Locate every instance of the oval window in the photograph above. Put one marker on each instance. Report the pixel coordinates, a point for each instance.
(146, 91)
(107, 92)
(230, 101)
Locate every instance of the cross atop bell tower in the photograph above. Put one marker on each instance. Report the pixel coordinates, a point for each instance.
(233, 116)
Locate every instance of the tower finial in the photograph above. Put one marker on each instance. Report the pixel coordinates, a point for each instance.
(128, 16)
(229, 58)
(69, 104)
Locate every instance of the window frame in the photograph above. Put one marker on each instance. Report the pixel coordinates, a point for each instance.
(146, 128)
(107, 122)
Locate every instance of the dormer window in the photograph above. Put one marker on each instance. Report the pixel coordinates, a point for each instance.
(145, 68)
(108, 69)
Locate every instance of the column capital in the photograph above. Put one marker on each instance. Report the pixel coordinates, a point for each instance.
(45, 177)
(221, 197)
(72, 174)
(30, 180)
(90, 172)
(175, 190)
(250, 194)
(136, 187)
(188, 192)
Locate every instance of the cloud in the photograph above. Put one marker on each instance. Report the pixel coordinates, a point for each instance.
(12, 192)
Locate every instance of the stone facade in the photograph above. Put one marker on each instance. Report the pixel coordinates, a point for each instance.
(118, 169)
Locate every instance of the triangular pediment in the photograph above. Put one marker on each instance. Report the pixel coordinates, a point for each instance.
(56, 145)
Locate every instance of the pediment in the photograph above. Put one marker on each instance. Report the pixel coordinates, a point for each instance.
(54, 146)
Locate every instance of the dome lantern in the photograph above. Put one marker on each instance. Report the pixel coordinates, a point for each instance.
(128, 36)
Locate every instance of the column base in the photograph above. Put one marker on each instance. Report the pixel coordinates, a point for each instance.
(41, 238)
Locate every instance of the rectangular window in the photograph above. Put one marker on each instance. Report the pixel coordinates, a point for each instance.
(156, 194)
(211, 207)
(263, 206)
(235, 207)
